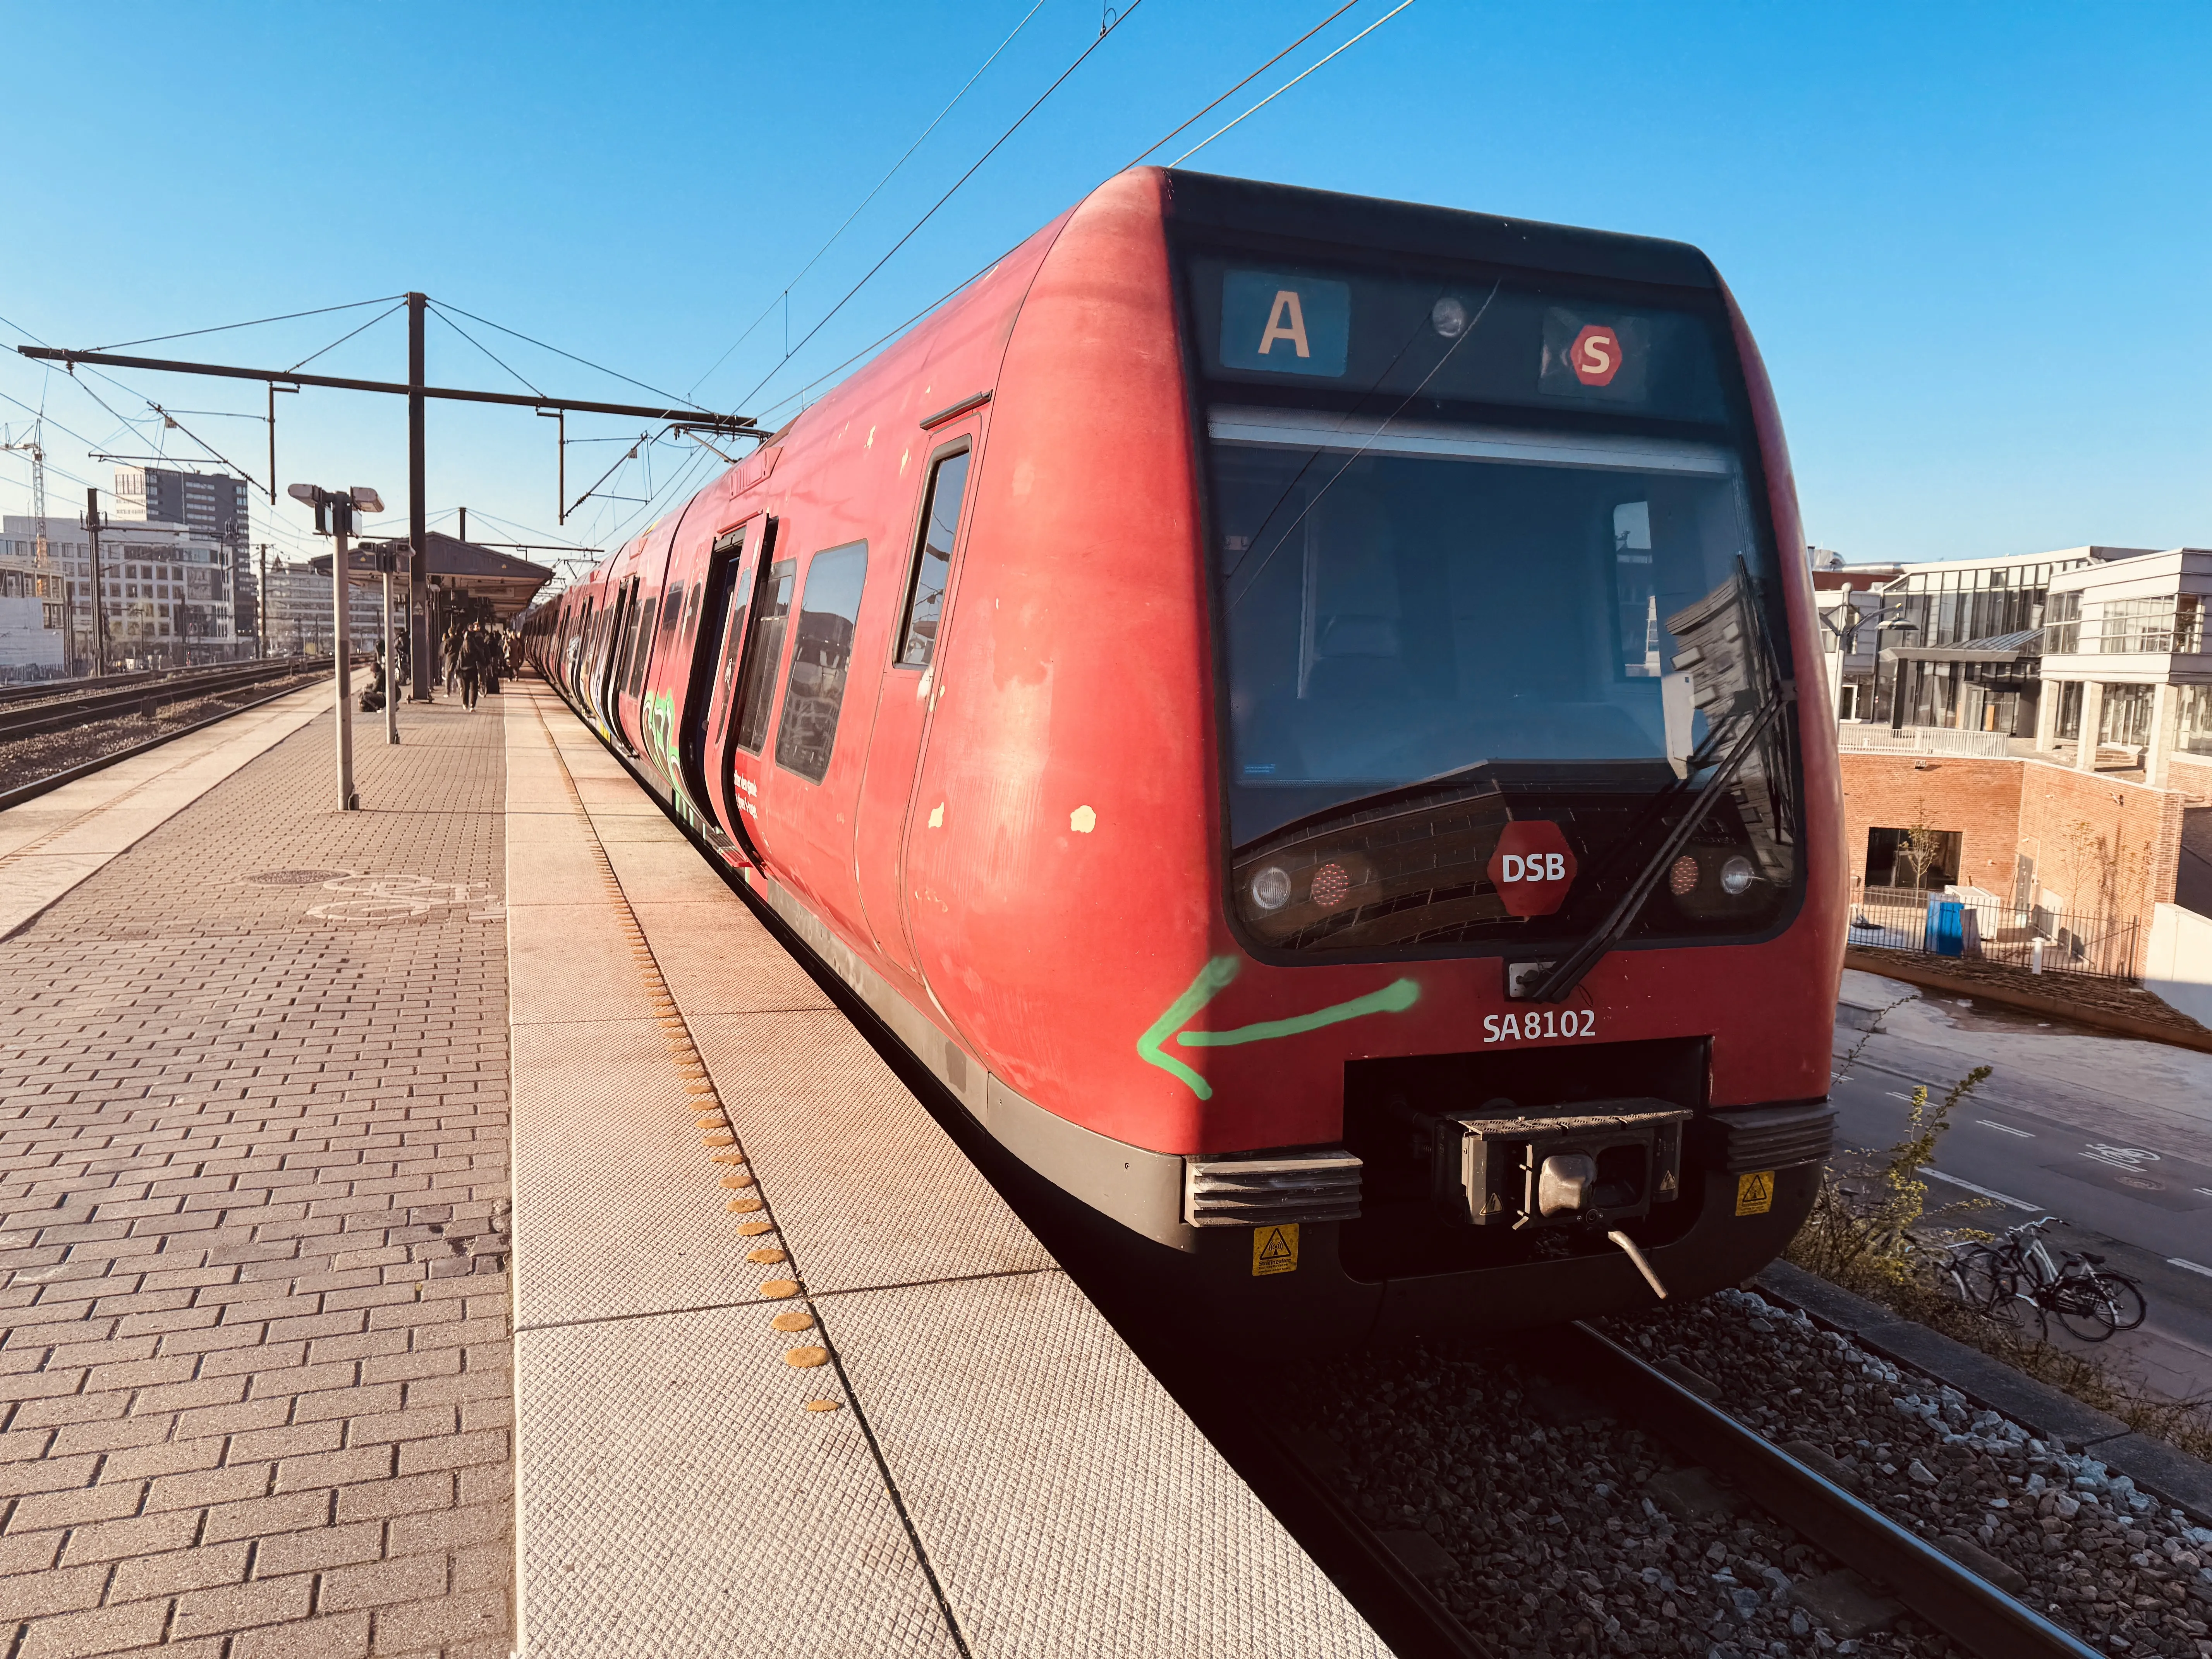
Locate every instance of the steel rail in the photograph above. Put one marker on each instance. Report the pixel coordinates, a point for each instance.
(48, 690)
(52, 781)
(1968, 1609)
(102, 702)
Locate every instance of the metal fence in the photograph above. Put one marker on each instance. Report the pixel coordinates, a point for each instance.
(1979, 927)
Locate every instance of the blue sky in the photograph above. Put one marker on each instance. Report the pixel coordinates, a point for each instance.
(1970, 239)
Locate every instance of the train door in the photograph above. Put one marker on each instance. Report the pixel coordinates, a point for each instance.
(710, 655)
(614, 655)
(635, 640)
(660, 613)
(752, 654)
(644, 612)
(908, 691)
(816, 753)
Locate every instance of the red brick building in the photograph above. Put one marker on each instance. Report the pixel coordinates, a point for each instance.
(2044, 835)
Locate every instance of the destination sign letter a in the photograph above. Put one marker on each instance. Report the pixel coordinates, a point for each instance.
(1286, 320)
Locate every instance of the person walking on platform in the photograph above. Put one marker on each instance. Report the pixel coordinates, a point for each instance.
(468, 660)
(495, 659)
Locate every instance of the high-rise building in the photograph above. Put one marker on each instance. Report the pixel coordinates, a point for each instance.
(214, 505)
(165, 596)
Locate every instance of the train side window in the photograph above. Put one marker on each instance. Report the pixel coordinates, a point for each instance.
(640, 649)
(732, 546)
(692, 615)
(932, 560)
(771, 606)
(672, 612)
(819, 658)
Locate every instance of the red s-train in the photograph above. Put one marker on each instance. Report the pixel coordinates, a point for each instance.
(1302, 711)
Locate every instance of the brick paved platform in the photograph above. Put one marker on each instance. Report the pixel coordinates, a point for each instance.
(255, 1386)
(259, 1379)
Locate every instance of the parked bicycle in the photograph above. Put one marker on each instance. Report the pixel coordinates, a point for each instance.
(2002, 1280)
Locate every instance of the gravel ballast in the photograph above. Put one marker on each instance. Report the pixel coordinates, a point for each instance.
(1570, 1533)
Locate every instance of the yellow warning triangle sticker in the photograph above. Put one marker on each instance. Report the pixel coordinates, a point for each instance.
(1275, 1249)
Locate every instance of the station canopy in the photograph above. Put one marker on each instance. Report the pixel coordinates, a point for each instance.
(1995, 647)
(459, 567)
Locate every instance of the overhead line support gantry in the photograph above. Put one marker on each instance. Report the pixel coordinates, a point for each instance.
(417, 393)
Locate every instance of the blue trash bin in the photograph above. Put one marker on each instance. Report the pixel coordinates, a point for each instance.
(1947, 928)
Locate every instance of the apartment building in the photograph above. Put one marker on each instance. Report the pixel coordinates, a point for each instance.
(167, 596)
(2127, 673)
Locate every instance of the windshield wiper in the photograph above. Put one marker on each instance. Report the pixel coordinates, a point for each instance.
(1568, 972)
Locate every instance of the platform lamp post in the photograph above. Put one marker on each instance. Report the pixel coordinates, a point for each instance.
(334, 511)
(390, 560)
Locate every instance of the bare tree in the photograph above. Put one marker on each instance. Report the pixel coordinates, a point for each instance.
(1920, 846)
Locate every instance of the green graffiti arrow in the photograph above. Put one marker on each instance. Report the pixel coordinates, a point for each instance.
(1393, 999)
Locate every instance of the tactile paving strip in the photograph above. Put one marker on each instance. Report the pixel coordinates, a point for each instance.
(733, 967)
(1067, 1503)
(676, 1501)
(666, 872)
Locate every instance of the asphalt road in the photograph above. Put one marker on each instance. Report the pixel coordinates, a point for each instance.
(2127, 1166)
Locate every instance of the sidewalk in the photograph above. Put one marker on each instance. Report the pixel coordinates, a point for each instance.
(252, 1180)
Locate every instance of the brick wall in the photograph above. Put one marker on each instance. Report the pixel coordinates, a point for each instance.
(1978, 798)
(2103, 845)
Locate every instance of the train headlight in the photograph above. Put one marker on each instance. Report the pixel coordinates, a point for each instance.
(1271, 887)
(1735, 875)
(1682, 878)
(1449, 318)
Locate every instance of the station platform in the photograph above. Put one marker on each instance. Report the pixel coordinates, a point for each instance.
(372, 1285)
(791, 1378)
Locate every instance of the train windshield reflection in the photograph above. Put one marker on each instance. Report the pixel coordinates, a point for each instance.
(1407, 599)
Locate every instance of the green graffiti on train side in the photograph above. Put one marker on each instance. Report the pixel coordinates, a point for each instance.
(659, 715)
(1213, 979)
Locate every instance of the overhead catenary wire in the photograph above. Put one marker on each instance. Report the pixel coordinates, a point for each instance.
(915, 229)
(480, 346)
(342, 339)
(1292, 82)
(783, 295)
(1190, 120)
(900, 328)
(221, 328)
(601, 368)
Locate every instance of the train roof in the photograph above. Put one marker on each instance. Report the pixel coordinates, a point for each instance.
(1239, 208)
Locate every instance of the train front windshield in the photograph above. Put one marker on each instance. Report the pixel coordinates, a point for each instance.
(1412, 602)
(1467, 532)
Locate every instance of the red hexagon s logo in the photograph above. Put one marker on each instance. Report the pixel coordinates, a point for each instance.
(1533, 868)
(1595, 356)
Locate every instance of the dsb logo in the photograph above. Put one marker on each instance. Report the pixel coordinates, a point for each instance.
(1533, 868)
(1536, 867)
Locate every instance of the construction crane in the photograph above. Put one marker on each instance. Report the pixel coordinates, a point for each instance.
(49, 590)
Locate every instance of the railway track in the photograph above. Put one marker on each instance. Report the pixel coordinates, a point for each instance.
(139, 694)
(1968, 1609)
(1975, 1613)
(41, 690)
(104, 700)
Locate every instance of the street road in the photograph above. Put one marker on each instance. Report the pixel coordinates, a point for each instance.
(2112, 1135)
